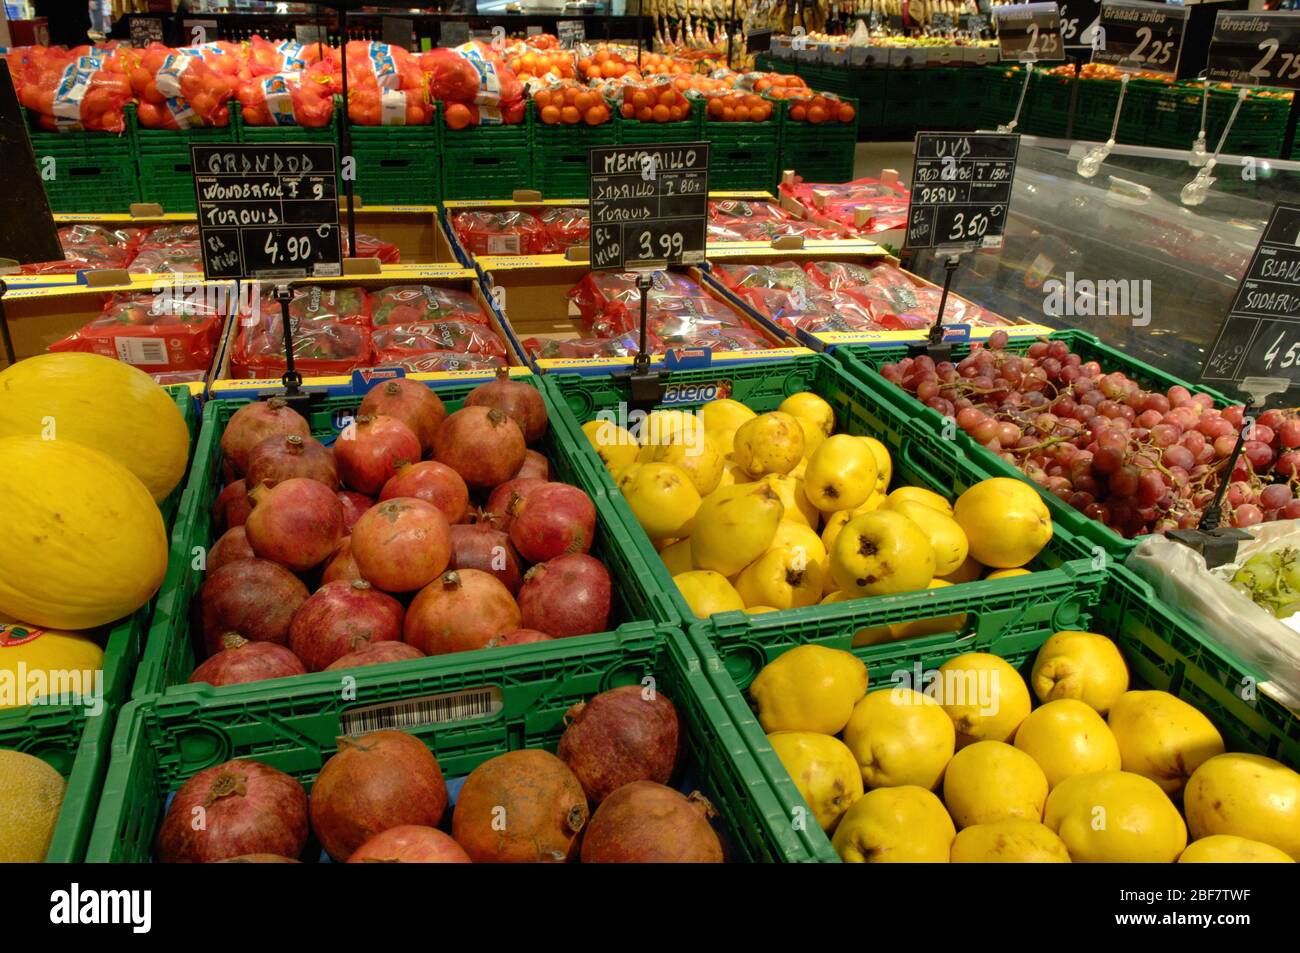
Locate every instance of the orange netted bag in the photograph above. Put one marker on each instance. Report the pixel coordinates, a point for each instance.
(571, 102)
(176, 89)
(83, 92)
(286, 99)
(386, 86)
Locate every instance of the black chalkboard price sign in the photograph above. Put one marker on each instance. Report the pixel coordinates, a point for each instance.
(1029, 31)
(1261, 335)
(1141, 36)
(961, 189)
(267, 208)
(1255, 49)
(649, 205)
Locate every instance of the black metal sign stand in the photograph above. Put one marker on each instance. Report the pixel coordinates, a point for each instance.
(646, 387)
(934, 345)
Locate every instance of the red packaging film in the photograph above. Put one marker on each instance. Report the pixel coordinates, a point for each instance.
(315, 304)
(501, 233)
(409, 305)
(407, 342)
(319, 347)
(368, 246)
(89, 247)
(626, 345)
(434, 362)
(180, 258)
(154, 332)
(784, 275)
(565, 227)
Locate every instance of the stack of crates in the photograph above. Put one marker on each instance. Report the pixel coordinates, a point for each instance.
(1047, 105)
(561, 154)
(745, 155)
(488, 162)
(1001, 86)
(821, 152)
(163, 159)
(398, 165)
(88, 171)
(1094, 110)
(635, 132)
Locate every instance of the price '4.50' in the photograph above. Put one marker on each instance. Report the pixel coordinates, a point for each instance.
(1289, 359)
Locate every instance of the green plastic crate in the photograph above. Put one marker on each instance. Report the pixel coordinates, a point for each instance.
(163, 160)
(323, 135)
(865, 362)
(940, 109)
(398, 165)
(635, 132)
(161, 741)
(1047, 105)
(174, 650)
(561, 155)
(908, 85)
(870, 88)
(87, 171)
(1094, 111)
(1157, 642)
(825, 152)
(487, 162)
(1259, 130)
(1002, 88)
(745, 155)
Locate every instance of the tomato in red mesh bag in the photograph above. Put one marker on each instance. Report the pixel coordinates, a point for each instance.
(176, 89)
(320, 347)
(178, 258)
(316, 304)
(500, 233)
(625, 345)
(368, 246)
(88, 247)
(565, 227)
(155, 333)
(422, 304)
(437, 361)
(452, 79)
(405, 342)
(285, 56)
(285, 99)
(470, 73)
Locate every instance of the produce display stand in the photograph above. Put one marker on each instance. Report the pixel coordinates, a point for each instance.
(746, 155)
(161, 741)
(163, 159)
(487, 162)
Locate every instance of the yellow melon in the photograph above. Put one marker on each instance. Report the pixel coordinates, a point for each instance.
(31, 793)
(58, 658)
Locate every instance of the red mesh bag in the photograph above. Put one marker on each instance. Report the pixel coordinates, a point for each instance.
(177, 89)
(407, 342)
(407, 305)
(501, 233)
(89, 247)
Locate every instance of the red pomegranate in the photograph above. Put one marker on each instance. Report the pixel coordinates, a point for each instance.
(567, 596)
(371, 449)
(247, 808)
(459, 611)
(232, 507)
(401, 544)
(505, 500)
(377, 781)
(521, 637)
(482, 444)
(296, 523)
(242, 661)
(340, 618)
(354, 504)
(253, 423)
(341, 565)
(232, 545)
(648, 823)
(254, 597)
(623, 735)
(411, 402)
(280, 458)
(522, 402)
(434, 483)
(410, 844)
(377, 653)
(552, 520)
(535, 466)
(479, 546)
(540, 799)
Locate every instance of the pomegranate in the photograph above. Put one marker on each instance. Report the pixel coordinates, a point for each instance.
(341, 617)
(535, 466)
(377, 781)
(242, 661)
(552, 520)
(411, 402)
(371, 449)
(247, 808)
(410, 844)
(377, 653)
(341, 565)
(253, 423)
(482, 444)
(541, 800)
(232, 545)
(401, 544)
(623, 735)
(521, 637)
(648, 823)
(354, 504)
(434, 483)
(280, 458)
(459, 611)
(505, 500)
(479, 546)
(566, 596)
(260, 859)
(254, 597)
(522, 402)
(296, 523)
(232, 506)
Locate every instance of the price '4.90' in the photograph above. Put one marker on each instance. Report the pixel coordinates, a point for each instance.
(296, 248)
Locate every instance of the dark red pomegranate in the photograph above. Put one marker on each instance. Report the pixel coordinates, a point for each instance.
(623, 735)
(296, 523)
(247, 808)
(254, 597)
(535, 466)
(521, 637)
(242, 661)
(281, 458)
(231, 508)
(377, 653)
(553, 520)
(434, 483)
(401, 544)
(566, 596)
(232, 545)
(371, 449)
(482, 444)
(522, 402)
(505, 500)
(341, 565)
(479, 546)
(648, 823)
(340, 618)
(354, 504)
(410, 844)
(459, 611)
(540, 800)
(411, 402)
(377, 781)
(253, 423)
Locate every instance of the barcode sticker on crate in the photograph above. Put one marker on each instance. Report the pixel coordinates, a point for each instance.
(141, 350)
(503, 244)
(469, 705)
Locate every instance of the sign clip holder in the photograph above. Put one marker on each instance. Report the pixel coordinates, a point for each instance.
(1195, 192)
(934, 347)
(645, 385)
(1028, 59)
(1090, 164)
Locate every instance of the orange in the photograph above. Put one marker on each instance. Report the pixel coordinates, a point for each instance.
(798, 112)
(728, 115)
(592, 72)
(584, 102)
(458, 116)
(645, 114)
(594, 116)
(816, 114)
(629, 111)
(661, 113)
(667, 97)
(641, 99)
(715, 107)
(569, 115)
(742, 114)
(847, 112)
(676, 113)
(550, 115)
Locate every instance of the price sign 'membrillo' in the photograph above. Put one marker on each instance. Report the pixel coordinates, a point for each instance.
(961, 187)
(649, 204)
(267, 208)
